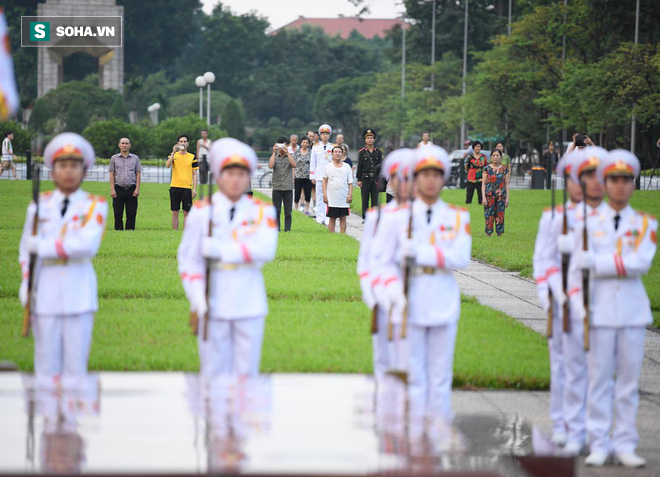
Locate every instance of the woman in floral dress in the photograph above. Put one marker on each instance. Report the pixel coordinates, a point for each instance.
(495, 194)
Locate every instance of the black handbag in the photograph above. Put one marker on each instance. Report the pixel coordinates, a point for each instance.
(382, 184)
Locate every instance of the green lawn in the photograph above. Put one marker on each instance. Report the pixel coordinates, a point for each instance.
(514, 250)
(316, 324)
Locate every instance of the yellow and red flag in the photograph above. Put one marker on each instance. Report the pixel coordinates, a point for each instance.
(8, 92)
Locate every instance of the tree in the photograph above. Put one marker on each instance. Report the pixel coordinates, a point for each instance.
(161, 138)
(118, 110)
(233, 121)
(336, 104)
(76, 119)
(40, 115)
(105, 136)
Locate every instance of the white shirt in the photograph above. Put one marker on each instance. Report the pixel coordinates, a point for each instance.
(339, 178)
(321, 155)
(204, 147)
(7, 150)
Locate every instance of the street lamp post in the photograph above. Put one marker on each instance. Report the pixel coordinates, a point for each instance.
(465, 31)
(633, 124)
(433, 47)
(403, 71)
(153, 113)
(200, 82)
(209, 78)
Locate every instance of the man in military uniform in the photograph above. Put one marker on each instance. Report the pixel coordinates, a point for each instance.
(370, 159)
(235, 236)
(321, 156)
(568, 360)
(434, 239)
(621, 246)
(395, 169)
(63, 299)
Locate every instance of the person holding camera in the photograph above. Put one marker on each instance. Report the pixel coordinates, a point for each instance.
(370, 159)
(282, 165)
(183, 186)
(580, 141)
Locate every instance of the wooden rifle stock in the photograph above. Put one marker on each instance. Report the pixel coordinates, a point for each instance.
(564, 271)
(406, 277)
(374, 312)
(25, 328)
(585, 274)
(550, 297)
(208, 261)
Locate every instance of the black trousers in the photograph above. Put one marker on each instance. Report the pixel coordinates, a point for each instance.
(286, 197)
(469, 191)
(369, 190)
(125, 199)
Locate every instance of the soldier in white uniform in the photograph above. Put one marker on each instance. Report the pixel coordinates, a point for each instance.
(440, 243)
(568, 361)
(243, 239)
(396, 163)
(321, 156)
(64, 296)
(621, 247)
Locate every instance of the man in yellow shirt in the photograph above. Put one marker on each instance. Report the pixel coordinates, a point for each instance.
(183, 187)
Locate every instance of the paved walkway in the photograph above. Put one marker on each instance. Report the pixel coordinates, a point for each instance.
(514, 295)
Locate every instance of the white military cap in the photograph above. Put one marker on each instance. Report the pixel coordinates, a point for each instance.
(432, 157)
(586, 160)
(230, 152)
(69, 146)
(618, 162)
(394, 160)
(325, 128)
(565, 164)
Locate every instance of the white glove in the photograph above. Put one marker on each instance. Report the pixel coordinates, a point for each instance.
(566, 244)
(408, 249)
(554, 281)
(397, 300)
(586, 261)
(368, 296)
(23, 293)
(577, 307)
(211, 248)
(32, 244)
(198, 304)
(382, 297)
(544, 299)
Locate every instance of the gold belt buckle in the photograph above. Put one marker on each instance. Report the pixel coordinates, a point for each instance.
(229, 266)
(428, 270)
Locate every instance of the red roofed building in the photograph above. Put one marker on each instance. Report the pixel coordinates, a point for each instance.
(343, 26)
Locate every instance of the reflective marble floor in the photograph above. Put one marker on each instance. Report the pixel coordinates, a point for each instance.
(279, 424)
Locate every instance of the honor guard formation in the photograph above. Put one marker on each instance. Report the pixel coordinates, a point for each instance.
(589, 259)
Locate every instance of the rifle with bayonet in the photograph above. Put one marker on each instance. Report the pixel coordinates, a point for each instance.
(25, 328)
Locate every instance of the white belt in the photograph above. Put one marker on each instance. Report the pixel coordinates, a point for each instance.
(416, 270)
(50, 262)
(218, 265)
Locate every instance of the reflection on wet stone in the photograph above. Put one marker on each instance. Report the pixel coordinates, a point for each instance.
(281, 424)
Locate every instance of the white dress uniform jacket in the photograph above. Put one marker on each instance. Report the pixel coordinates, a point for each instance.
(65, 279)
(618, 297)
(248, 241)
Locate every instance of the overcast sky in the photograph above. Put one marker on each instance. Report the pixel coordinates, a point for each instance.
(281, 12)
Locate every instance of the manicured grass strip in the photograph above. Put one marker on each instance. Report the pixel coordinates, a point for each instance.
(316, 324)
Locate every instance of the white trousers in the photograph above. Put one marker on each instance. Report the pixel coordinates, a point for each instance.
(388, 354)
(320, 205)
(61, 346)
(430, 370)
(381, 347)
(557, 376)
(233, 347)
(575, 383)
(615, 362)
